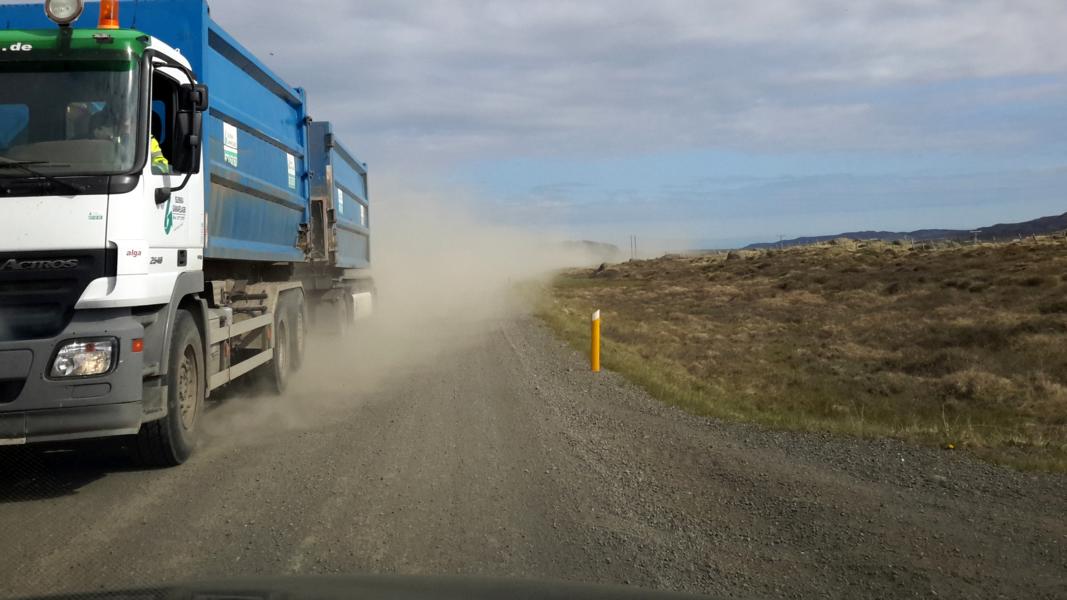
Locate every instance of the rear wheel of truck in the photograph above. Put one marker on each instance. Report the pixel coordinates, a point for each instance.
(277, 370)
(169, 441)
(297, 310)
(342, 317)
(331, 314)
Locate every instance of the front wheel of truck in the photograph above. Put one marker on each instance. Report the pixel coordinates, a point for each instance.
(169, 441)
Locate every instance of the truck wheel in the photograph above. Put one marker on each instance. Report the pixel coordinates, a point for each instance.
(331, 318)
(342, 318)
(169, 441)
(278, 369)
(297, 310)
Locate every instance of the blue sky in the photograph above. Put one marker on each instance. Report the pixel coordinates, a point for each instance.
(689, 123)
(990, 149)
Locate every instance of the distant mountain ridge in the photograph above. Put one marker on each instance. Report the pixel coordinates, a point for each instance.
(599, 250)
(1040, 226)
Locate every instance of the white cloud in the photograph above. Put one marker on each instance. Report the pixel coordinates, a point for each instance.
(433, 81)
(450, 79)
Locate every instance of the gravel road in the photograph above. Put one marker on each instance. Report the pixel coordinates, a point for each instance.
(499, 454)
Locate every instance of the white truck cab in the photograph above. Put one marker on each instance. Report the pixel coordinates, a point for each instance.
(157, 241)
(93, 238)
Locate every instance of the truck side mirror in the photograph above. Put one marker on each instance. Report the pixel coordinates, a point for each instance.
(195, 97)
(188, 129)
(189, 133)
(189, 124)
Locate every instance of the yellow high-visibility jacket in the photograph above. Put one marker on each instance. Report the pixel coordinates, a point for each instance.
(160, 164)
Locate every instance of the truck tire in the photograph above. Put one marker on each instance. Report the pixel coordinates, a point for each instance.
(331, 315)
(278, 369)
(294, 305)
(169, 441)
(342, 312)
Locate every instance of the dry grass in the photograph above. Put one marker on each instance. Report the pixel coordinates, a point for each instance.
(960, 345)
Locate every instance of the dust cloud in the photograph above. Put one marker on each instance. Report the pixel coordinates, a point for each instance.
(446, 273)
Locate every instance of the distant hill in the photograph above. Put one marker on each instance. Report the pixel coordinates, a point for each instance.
(1043, 225)
(598, 251)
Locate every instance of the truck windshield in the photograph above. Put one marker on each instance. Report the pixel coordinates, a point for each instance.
(68, 117)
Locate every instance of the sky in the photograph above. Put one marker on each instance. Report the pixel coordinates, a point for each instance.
(692, 123)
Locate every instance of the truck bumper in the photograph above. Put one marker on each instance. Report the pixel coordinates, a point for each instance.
(66, 424)
(35, 408)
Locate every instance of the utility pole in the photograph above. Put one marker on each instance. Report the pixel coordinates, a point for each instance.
(781, 245)
(975, 234)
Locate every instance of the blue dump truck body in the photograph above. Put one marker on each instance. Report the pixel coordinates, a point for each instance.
(339, 199)
(257, 151)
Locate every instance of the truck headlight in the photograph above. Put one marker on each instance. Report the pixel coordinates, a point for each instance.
(84, 358)
(63, 12)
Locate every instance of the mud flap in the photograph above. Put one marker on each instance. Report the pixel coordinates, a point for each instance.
(154, 398)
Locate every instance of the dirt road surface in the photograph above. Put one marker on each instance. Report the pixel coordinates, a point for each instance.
(499, 454)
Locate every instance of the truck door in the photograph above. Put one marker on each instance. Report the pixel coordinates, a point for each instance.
(175, 228)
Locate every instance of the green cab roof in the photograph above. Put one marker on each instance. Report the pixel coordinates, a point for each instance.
(31, 44)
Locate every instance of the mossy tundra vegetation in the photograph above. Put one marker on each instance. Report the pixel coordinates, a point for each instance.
(949, 344)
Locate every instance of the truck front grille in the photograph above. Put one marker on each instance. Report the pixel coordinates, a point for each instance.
(38, 290)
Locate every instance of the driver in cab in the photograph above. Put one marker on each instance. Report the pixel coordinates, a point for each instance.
(160, 164)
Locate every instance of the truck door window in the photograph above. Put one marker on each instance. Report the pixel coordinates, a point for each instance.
(164, 104)
(159, 122)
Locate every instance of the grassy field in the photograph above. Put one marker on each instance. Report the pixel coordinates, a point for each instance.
(955, 345)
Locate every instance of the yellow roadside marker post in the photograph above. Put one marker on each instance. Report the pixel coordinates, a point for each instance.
(594, 351)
